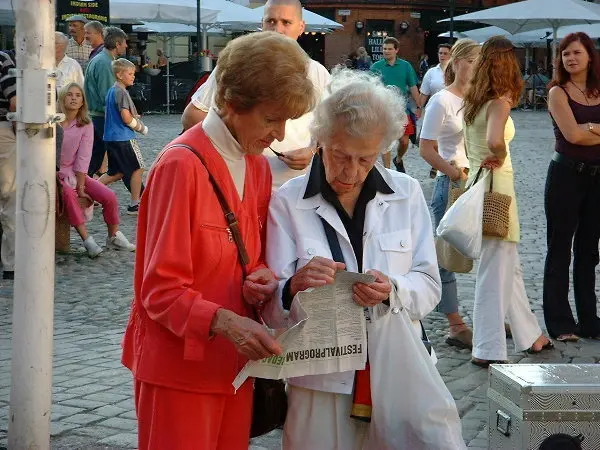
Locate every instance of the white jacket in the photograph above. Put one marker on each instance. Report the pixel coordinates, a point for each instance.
(398, 241)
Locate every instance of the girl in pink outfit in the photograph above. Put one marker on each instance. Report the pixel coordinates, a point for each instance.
(75, 155)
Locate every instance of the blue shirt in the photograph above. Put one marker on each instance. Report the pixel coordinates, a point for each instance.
(115, 129)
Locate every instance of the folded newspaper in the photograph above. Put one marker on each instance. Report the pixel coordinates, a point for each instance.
(327, 334)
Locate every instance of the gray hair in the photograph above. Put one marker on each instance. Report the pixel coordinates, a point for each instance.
(61, 38)
(94, 25)
(112, 35)
(360, 103)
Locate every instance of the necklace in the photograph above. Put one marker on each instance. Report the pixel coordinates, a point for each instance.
(582, 93)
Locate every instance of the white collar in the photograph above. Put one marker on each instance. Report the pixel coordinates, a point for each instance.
(221, 137)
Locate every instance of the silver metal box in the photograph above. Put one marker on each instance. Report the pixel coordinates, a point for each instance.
(530, 402)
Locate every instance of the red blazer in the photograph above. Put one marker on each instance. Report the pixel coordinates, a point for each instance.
(187, 267)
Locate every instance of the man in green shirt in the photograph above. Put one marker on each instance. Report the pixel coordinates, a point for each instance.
(98, 80)
(398, 72)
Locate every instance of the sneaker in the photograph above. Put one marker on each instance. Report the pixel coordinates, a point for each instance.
(92, 248)
(120, 242)
(8, 275)
(133, 210)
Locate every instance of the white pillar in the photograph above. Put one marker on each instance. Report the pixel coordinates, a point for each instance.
(32, 330)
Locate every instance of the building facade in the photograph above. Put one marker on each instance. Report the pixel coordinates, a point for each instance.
(366, 24)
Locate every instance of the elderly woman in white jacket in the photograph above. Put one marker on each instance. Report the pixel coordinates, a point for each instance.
(381, 222)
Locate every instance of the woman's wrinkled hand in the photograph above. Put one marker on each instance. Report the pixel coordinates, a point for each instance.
(318, 272)
(250, 338)
(373, 293)
(259, 287)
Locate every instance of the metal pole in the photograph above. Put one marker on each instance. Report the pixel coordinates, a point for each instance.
(168, 86)
(32, 326)
(206, 62)
(198, 35)
(452, 6)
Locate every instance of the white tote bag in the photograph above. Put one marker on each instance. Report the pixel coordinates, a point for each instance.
(462, 225)
(412, 407)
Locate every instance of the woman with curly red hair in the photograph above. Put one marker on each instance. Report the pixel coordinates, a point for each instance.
(572, 192)
(499, 292)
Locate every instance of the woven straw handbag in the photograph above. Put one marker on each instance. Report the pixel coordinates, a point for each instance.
(496, 206)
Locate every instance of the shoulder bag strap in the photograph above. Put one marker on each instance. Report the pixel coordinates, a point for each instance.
(232, 222)
(333, 241)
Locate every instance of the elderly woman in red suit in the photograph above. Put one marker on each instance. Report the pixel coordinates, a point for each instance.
(192, 324)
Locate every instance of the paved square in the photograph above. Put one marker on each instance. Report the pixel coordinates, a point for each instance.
(92, 392)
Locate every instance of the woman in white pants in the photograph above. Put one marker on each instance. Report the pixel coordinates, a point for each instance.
(500, 291)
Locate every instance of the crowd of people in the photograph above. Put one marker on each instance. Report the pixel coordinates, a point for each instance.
(327, 204)
(281, 179)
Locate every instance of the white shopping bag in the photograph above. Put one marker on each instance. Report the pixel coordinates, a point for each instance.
(462, 225)
(412, 407)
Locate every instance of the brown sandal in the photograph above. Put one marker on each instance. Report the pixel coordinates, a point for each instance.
(463, 339)
(485, 363)
(568, 337)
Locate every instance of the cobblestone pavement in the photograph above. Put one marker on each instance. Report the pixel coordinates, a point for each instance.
(92, 392)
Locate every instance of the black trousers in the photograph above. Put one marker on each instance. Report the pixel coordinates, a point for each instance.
(572, 205)
(98, 148)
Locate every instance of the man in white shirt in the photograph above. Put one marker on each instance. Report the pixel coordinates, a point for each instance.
(433, 81)
(67, 69)
(290, 157)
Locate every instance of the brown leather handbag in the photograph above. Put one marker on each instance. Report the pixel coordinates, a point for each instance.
(270, 399)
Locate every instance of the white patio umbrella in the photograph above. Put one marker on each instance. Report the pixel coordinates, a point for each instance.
(172, 29)
(536, 14)
(231, 16)
(479, 34)
(7, 16)
(592, 31)
(313, 21)
(173, 11)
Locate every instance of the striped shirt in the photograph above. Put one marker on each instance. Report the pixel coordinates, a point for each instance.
(80, 53)
(8, 83)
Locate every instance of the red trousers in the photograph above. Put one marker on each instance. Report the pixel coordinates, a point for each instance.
(170, 419)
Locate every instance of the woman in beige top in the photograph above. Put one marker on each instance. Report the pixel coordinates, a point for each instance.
(500, 291)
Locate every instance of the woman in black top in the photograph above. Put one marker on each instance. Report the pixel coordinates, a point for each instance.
(572, 197)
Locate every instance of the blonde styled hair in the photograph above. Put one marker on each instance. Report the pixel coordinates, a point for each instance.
(264, 67)
(121, 64)
(462, 49)
(82, 116)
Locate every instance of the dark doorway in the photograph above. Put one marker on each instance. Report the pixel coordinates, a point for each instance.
(314, 44)
(376, 32)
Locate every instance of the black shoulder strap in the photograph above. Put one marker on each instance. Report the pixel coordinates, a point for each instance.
(333, 241)
(229, 215)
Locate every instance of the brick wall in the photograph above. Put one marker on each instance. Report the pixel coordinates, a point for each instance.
(340, 43)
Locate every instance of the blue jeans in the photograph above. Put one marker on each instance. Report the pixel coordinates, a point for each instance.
(439, 199)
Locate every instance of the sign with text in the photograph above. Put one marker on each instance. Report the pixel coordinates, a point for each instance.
(375, 47)
(91, 9)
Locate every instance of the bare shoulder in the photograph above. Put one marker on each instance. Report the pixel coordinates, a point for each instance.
(557, 92)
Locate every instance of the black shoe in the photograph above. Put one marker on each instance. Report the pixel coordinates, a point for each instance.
(8, 275)
(133, 210)
(399, 165)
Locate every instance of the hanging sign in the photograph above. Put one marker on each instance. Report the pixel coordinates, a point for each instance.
(374, 45)
(90, 9)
